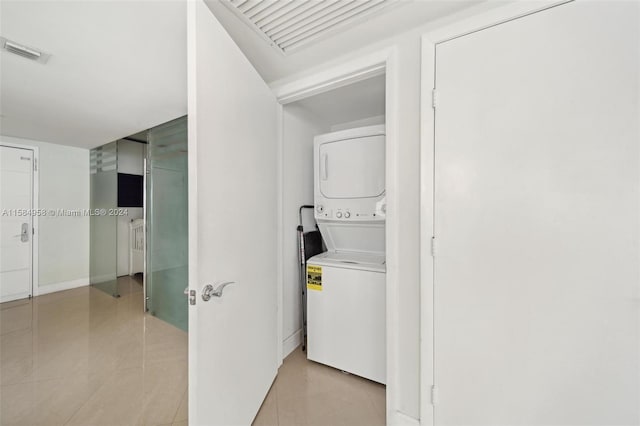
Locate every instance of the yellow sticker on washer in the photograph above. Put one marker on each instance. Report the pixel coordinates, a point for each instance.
(314, 277)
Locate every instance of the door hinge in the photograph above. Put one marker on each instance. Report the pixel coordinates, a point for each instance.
(434, 395)
(433, 246)
(433, 98)
(35, 164)
(192, 297)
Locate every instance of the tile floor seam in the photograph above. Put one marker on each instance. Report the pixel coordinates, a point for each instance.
(24, 330)
(86, 401)
(179, 404)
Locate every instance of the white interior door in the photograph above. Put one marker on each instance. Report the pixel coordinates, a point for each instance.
(16, 238)
(536, 220)
(232, 119)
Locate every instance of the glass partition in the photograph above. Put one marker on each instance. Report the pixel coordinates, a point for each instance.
(167, 222)
(104, 196)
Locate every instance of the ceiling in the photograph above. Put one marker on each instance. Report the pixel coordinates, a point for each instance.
(390, 21)
(115, 68)
(119, 67)
(287, 25)
(357, 101)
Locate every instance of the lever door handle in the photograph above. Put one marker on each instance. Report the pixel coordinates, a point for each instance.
(24, 236)
(208, 290)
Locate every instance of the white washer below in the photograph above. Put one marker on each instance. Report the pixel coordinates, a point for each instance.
(346, 313)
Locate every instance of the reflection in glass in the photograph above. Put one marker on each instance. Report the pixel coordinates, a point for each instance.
(167, 222)
(104, 196)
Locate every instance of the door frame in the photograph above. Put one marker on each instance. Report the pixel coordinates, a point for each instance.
(384, 61)
(429, 41)
(35, 205)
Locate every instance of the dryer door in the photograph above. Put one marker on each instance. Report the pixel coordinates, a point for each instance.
(352, 168)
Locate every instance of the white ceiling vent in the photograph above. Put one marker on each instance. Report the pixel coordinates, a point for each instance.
(289, 24)
(24, 51)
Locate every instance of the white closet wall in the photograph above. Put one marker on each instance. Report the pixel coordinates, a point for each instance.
(299, 129)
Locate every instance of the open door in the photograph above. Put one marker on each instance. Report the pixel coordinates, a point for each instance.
(232, 125)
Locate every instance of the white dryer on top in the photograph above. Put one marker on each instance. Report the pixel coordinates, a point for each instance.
(349, 189)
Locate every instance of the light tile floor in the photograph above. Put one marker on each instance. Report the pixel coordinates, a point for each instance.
(82, 357)
(306, 393)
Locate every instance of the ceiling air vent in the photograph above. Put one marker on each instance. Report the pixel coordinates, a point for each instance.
(289, 24)
(24, 51)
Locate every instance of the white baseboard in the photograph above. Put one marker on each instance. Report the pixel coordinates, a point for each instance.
(291, 342)
(397, 418)
(65, 285)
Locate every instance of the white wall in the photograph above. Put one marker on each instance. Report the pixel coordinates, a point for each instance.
(369, 121)
(131, 161)
(299, 128)
(122, 259)
(63, 241)
(131, 157)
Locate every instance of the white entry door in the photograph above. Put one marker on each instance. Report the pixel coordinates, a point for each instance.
(16, 242)
(536, 220)
(232, 124)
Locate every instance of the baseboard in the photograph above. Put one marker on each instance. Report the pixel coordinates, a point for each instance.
(291, 342)
(65, 285)
(397, 418)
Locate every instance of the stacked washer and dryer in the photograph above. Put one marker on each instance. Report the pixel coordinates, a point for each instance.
(346, 290)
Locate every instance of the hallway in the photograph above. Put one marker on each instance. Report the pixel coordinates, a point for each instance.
(82, 357)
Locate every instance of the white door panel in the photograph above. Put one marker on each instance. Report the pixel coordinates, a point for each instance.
(16, 160)
(13, 284)
(537, 195)
(11, 197)
(15, 254)
(232, 227)
(16, 197)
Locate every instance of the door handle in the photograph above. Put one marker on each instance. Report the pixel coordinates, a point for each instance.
(325, 169)
(208, 291)
(24, 236)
